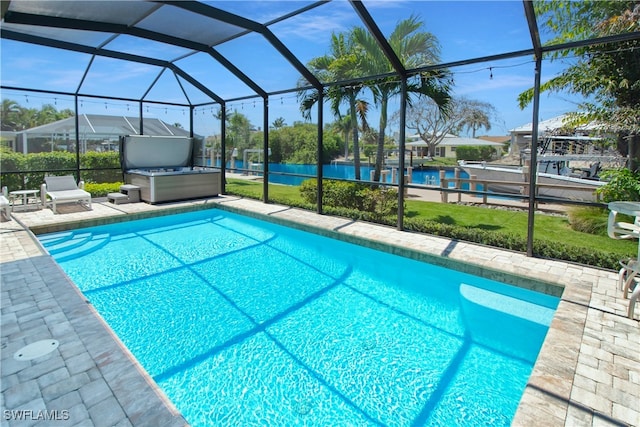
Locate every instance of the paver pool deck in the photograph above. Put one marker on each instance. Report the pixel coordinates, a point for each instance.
(587, 372)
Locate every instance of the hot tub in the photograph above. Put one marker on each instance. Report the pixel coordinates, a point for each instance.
(162, 167)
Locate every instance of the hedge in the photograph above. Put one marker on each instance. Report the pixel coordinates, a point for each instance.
(541, 248)
(18, 170)
(376, 200)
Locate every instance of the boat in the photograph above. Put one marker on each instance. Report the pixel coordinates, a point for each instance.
(556, 178)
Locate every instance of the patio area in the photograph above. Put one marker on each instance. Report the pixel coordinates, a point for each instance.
(587, 373)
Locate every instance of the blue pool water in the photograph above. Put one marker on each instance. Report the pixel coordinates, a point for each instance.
(419, 176)
(243, 322)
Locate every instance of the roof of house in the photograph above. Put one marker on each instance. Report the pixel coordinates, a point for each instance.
(551, 125)
(100, 124)
(451, 140)
(499, 138)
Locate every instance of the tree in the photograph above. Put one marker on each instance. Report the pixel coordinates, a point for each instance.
(343, 126)
(298, 144)
(238, 131)
(279, 123)
(16, 118)
(607, 75)
(479, 117)
(433, 124)
(10, 111)
(415, 49)
(341, 63)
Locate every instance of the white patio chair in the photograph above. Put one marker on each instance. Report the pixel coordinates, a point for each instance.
(63, 189)
(628, 277)
(620, 229)
(5, 205)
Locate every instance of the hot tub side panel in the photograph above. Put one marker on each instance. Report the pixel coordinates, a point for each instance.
(173, 187)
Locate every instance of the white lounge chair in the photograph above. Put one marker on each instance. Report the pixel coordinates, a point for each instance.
(620, 229)
(5, 206)
(627, 279)
(63, 189)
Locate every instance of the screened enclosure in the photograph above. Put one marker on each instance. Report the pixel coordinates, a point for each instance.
(248, 75)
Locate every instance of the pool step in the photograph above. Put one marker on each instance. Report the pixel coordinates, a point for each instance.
(51, 239)
(94, 244)
(67, 242)
(67, 247)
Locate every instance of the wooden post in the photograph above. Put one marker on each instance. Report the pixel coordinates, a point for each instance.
(443, 184)
(456, 177)
(473, 184)
(485, 187)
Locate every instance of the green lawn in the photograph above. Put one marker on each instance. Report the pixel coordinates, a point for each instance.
(546, 227)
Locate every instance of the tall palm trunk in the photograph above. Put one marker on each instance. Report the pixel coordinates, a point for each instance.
(384, 103)
(346, 144)
(634, 153)
(354, 127)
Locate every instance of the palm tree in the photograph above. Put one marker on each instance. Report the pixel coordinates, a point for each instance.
(415, 49)
(341, 63)
(10, 109)
(279, 123)
(479, 116)
(477, 120)
(343, 126)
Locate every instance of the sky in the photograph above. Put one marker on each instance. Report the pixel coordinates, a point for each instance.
(464, 29)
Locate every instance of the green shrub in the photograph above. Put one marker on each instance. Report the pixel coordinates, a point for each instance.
(590, 220)
(39, 164)
(10, 161)
(622, 184)
(475, 153)
(20, 171)
(379, 201)
(541, 248)
(103, 165)
(101, 190)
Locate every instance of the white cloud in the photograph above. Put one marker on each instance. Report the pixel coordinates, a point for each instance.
(484, 83)
(315, 25)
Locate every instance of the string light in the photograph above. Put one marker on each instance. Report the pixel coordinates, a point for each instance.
(361, 85)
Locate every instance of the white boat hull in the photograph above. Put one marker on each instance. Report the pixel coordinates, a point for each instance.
(514, 181)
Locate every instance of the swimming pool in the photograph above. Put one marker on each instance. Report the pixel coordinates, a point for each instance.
(426, 176)
(243, 322)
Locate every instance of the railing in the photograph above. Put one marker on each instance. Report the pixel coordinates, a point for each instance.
(520, 189)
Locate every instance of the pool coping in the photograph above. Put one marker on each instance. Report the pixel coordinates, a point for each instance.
(582, 374)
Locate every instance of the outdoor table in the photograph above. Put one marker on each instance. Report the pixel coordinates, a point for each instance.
(24, 196)
(627, 208)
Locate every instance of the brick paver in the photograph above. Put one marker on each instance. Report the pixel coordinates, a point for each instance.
(66, 387)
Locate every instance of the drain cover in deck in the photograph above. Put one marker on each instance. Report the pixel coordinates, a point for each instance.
(35, 350)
